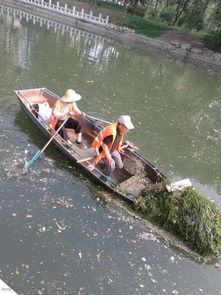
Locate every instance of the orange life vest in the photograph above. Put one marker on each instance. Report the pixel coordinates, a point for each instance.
(53, 119)
(98, 141)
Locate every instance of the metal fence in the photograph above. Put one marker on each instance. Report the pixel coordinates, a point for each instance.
(69, 12)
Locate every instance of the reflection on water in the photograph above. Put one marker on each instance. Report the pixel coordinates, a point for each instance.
(78, 39)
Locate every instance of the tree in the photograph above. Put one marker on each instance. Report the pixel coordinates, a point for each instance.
(156, 5)
(195, 14)
(182, 6)
(133, 5)
(215, 27)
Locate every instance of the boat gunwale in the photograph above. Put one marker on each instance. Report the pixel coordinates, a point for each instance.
(129, 196)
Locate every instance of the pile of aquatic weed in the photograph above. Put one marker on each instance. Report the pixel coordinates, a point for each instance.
(189, 215)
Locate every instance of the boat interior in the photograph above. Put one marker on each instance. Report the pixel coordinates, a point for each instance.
(137, 172)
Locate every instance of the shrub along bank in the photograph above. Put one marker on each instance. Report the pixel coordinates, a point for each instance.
(189, 215)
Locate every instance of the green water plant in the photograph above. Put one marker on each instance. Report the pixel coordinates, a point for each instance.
(190, 216)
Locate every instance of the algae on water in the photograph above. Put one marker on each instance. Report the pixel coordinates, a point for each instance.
(189, 215)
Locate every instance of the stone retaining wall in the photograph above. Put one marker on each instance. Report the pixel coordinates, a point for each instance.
(173, 50)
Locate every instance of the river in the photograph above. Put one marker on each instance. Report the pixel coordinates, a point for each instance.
(60, 234)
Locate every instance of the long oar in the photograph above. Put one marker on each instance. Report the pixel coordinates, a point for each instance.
(93, 156)
(39, 152)
(113, 183)
(98, 119)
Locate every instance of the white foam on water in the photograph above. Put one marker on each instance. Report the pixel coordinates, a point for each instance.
(25, 168)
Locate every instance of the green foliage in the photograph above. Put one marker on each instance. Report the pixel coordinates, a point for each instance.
(111, 6)
(136, 8)
(188, 14)
(214, 39)
(140, 10)
(130, 9)
(144, 26)
(191, 216)
(168, 14)
(195, 14)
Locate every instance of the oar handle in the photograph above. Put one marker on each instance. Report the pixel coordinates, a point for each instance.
(85, 159)
(108, 178)
(101, 173)
(97, 119)
(57, 131)
(39, 152)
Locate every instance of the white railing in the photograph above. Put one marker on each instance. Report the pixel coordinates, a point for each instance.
(50, 23)
(69, 12)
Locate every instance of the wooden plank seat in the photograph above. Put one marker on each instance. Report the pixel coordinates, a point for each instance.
(87, 155)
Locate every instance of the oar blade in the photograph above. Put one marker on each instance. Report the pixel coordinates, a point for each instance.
(29, 163)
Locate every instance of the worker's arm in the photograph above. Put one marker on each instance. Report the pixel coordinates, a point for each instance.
(108, 155)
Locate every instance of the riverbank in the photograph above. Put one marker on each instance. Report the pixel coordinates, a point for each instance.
(184, 46)
(174, 47)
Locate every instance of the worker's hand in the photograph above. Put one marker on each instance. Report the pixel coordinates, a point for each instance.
(82, 114)
(111, 163)
(122, 151)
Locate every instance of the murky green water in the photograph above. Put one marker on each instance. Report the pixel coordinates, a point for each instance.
(57, 235)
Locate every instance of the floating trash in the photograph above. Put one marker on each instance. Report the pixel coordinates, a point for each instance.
(15, 167)
(188, 214)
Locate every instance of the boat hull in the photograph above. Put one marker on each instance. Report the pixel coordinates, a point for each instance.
(125, 183)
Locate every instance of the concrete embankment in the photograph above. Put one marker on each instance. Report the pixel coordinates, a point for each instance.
(184, 52)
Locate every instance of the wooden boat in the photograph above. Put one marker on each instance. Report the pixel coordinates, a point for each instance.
(127, 182)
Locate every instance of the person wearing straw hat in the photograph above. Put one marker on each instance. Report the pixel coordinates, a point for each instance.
(66, 106)
(107, 144)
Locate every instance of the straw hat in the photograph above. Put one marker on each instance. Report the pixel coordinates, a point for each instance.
(70, 96)
(126, 121)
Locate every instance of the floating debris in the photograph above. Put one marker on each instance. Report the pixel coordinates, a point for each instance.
(15, 166)
(29, 216)
(217, 265)
(172, 258)
(25, 266)
(60, 227)
(148, 237)
(63, 201)
(187, 214)
(42, 229)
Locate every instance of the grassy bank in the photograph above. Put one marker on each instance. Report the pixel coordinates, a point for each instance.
(148, 26)
(145, 26)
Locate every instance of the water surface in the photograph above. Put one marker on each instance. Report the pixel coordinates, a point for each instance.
(57, 235)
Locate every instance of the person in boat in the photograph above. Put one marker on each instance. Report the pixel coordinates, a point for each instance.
(107, 144)
(66, 106)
